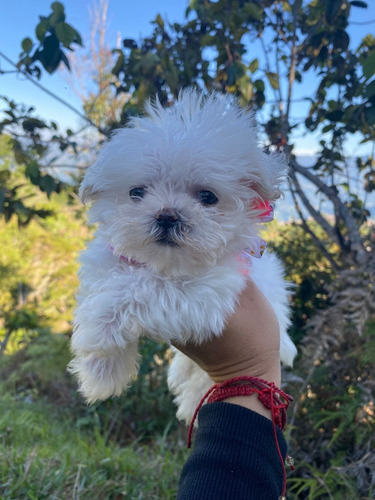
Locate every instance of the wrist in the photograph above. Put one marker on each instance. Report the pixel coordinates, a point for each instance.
(271, 375)
(241, 390)
(270, 401)
(251, 403)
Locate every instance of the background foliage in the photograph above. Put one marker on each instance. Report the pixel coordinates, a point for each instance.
(132, 447)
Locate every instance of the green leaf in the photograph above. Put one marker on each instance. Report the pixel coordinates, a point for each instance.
(58, 14)
(32, 172)
(27, 44)
(41, 28)
(246, 89)
(253, 66)
(30, 124)
(253, 11)
(341, 39)
(231, 77)
(359, 3)
(65, 60)
(19, 154)
(3, 193)
(273, 78)
(159, 21)
(370, 89)
(370, 115)
(129, 43)
(57, 7)
(369, 65)
(335, 116)
(148, 63)
(67, 34)
(119, 65)
(332, 104)
(48, 184)
(259, 85)
(7, 121)
(239, 70)
(50, 55)
(332, 7)
(327, 128)
(207, 40)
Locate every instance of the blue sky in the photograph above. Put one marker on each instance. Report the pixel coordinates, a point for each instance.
(129, 18)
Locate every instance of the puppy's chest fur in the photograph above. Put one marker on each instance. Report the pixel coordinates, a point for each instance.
(161, 307)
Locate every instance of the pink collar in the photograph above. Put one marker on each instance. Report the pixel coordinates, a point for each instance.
(130, 262)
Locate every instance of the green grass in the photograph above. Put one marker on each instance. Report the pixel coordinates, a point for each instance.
(44, 454)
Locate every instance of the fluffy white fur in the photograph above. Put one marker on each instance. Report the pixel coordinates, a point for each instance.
(189, 278)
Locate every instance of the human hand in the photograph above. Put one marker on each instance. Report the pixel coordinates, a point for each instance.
(249, 345)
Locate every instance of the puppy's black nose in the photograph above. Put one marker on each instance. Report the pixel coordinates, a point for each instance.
(167, 217)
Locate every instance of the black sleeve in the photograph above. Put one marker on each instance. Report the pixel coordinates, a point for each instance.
(235, 457)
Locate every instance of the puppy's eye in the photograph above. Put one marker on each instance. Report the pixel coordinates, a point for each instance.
(207, 197)
(137, 193)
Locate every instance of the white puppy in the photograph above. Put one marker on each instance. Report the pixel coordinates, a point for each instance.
(177, 199)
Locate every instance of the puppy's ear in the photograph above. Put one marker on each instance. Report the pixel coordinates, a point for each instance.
(265, 191)
(88, 191)
(87, 194)
(267, 182)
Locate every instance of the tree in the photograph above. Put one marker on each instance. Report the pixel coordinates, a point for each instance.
(31, 137)
(38, 263)
(100, 103)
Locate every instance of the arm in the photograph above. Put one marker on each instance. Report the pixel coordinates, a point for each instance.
(234, 457)
(235, 454)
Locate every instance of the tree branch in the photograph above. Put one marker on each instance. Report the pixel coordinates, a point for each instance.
(307, 228)
(356, 242)
(229, 53)
(56, 97)
(293, 57)
(313, 212)
(268, 67)
(4, 342)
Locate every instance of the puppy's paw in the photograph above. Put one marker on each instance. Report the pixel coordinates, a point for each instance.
(101, 376)
(101, 324)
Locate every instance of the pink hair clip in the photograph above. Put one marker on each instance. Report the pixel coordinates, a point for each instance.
(268, 210)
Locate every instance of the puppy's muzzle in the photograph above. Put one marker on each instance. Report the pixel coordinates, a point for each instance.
(168, 222)
(167, 218)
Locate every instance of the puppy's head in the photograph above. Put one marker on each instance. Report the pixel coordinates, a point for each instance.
(176, 189)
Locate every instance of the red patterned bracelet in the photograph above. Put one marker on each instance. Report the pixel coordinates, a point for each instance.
(272, 398)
